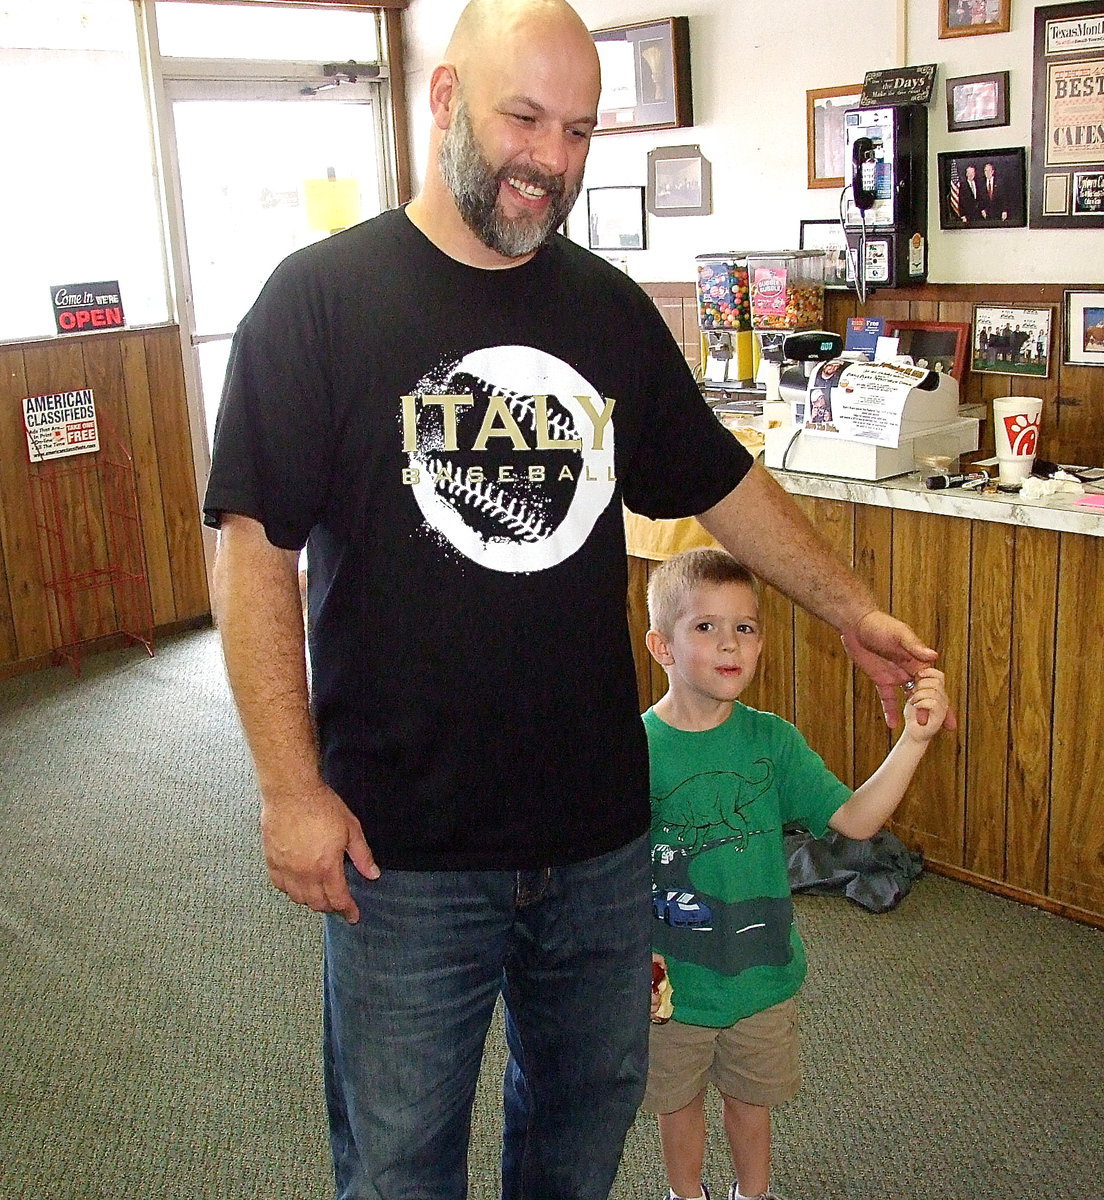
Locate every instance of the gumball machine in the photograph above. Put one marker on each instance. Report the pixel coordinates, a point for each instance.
(786, 295)
(724, 319)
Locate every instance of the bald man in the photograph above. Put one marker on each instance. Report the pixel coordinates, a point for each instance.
(447, 405)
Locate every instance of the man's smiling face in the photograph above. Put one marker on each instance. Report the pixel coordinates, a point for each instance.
(515, 148)
(512, 209)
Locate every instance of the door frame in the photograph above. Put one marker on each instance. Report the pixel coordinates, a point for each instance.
(169, 79)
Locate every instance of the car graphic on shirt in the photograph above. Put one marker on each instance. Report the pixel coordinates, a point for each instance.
(682, 909)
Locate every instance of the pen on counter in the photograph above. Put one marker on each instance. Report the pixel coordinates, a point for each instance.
(949, 481)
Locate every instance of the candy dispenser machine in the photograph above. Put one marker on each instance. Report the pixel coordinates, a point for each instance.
(786, 295)
(724, 319)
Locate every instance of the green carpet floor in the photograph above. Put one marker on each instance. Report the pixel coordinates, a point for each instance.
(159, 999)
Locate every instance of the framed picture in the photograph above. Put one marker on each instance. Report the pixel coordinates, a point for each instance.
(616, 218)
(937, 345)
(965, 18)
(829, 237)
(1084, 328)
(1011, 339)
(983, 189)
(680, 182)
(1067, 115)
(1088, 193)
(645, 76)
(824, 108)
(977, 101)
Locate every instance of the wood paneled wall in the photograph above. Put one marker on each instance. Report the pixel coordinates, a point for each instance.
(1011, 800)
(1073, 396)
(137, 381)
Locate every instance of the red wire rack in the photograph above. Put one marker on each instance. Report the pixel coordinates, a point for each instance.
(91, 549)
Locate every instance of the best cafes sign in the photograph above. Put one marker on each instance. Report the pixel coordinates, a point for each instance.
(80, 307)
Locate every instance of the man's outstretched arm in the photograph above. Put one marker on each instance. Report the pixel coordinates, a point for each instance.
(759, 523)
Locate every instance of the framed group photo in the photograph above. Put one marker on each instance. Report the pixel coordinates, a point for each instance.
(645, 76)
(981, 189)
(938, 345)
(1084, 324)
(977, 101)
(1011, 339)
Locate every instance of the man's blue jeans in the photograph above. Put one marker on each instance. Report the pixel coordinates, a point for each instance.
(409, 995)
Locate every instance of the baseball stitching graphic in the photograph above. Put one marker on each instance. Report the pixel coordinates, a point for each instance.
(516, 479)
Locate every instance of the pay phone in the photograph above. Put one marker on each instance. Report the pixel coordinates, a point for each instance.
(886, 213)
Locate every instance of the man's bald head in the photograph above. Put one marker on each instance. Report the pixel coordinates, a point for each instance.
(489, 28)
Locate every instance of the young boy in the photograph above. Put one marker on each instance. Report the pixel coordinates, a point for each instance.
(725, 778)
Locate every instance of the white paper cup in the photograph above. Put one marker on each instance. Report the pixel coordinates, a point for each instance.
(1016, 433)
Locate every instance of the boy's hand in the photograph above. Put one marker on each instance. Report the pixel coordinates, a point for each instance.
(928, 696)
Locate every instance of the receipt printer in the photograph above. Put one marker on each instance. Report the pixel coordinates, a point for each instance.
(863, 420)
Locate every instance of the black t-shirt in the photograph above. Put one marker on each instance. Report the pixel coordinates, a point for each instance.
(453, 445)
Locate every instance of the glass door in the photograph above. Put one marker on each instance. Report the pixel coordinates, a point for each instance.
(262, 168)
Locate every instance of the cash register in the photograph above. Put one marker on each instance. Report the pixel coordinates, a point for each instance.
(838, 416)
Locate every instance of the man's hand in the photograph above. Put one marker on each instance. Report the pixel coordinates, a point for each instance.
(305, 840)
(890, 653)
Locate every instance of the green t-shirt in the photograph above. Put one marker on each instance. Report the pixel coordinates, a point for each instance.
(720, 888)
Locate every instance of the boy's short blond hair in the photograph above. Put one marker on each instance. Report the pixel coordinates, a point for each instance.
(673, 580)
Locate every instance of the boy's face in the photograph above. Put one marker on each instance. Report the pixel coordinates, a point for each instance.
(713, 650)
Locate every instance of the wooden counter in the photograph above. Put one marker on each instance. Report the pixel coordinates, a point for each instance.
(1009, 593)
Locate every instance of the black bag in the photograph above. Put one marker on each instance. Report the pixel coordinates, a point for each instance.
(876, 873)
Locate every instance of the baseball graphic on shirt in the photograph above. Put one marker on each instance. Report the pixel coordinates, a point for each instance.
(511, 455)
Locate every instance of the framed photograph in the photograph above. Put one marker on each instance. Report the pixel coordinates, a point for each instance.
(824, 108)
(1084, 344)
(645, 76)
(1011, 339)
(938, 345)
(983, 189)
(680, 182)
(965, 18)
(1067, 115)
(616, 218)
(829, 237)
(977, 101)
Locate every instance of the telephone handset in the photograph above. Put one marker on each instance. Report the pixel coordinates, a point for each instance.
(864, 174)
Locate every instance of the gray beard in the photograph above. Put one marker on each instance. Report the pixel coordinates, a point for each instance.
(475, 187)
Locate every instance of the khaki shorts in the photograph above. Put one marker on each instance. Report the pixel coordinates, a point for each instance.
(755, 1060)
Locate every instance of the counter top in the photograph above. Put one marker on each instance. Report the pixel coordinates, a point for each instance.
(1057, 512)
(661, 539)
